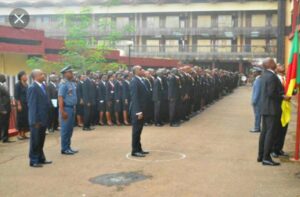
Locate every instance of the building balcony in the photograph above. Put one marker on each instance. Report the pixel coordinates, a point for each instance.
(212, 52)
(227, 32)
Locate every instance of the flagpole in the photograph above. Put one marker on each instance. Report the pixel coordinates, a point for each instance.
(296, 157)
(295, 28)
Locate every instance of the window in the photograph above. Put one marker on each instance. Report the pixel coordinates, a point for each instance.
(172, 21)
(2, 19)
(121, 22)
(152, 22)
(225, 21)
(223, 45)
(258, 45)
(204, 21)
(203, 45)
(172, 46)
(274, 20)
(258, 20)
(152, 45)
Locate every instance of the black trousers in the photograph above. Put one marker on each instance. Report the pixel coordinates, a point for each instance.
(37, 140)
(173, 114)
(137, 128)
(266, 139)
(280, 137)
(157, 112)
(53, 118)
(87, 115)
(4, 124)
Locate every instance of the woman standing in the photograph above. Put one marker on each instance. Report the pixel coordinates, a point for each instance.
(21, 101)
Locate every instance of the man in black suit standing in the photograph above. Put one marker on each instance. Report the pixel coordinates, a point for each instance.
(272, 94)
(138, 92)
(174, 97)
(89, 101)
(157, 98)
(52, 90)
(5, 110)
(38, 111)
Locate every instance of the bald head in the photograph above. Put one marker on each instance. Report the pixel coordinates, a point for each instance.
(137, 70)
(38, 75)
(269, 63)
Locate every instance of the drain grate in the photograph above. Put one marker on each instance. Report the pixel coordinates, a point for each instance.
(119, 179)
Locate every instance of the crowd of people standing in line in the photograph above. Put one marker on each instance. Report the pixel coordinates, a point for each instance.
(172, 96)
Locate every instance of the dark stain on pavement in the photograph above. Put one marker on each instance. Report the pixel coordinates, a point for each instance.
(119, 179)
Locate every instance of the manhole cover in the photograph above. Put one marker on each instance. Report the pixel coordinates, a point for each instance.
(119, 179)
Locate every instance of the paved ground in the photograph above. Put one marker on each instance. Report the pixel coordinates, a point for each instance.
(220, 160)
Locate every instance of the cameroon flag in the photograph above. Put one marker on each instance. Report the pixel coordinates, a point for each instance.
(292, 79)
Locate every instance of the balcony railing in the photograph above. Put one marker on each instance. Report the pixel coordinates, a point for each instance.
(229, 32)
(209, 52)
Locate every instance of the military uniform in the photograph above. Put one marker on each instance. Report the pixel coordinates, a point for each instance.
(67, 90)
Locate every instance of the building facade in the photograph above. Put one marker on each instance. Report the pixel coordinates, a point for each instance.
(216, 33)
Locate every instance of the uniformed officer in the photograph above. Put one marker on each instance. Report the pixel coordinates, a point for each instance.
(67, 100)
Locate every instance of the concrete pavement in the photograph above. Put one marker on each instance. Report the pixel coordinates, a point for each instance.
(211, 155)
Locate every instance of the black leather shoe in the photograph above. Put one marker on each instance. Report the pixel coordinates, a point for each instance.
(174, 125)
(8, 141)
(87, 129)
(36, 165)
(283, 154)
(254, 131)
(145, 152)
(274, 154)
(270, 163)
(138, 154)
(259, 159)
(73, 151)
(67, 152)
(46, 162)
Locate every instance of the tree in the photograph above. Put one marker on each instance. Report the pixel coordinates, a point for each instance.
(80, 50)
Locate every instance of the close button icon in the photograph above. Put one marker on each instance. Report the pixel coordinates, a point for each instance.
(19, 18)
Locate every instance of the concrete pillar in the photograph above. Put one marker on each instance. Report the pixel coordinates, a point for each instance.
(281, 32)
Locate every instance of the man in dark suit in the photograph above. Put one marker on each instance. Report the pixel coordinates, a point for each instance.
(138, 92)
(157, 98)
(38, 110)
(5, 110)
(88, 97)
(173, 96)
(52, 91)
(272, 94)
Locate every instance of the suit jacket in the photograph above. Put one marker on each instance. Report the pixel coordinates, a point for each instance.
(173, 88)
(118, 91)
(52, 92)
(256, 91)
(157, 90)
(4, 99)
(89, 91)
(79, 91)
(271, 94)
(138, 92)
(110, 91)
(126, 91)
(38, 105)
(101, 92)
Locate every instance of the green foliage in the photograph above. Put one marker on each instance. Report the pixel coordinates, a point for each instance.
(46, 66)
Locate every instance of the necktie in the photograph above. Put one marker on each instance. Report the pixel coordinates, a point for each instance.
(44, 88)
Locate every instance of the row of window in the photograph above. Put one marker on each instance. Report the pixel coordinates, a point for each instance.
(254, 20)
(205, 45)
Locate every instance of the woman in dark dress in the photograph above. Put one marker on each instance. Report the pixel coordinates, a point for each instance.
(21, 102)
